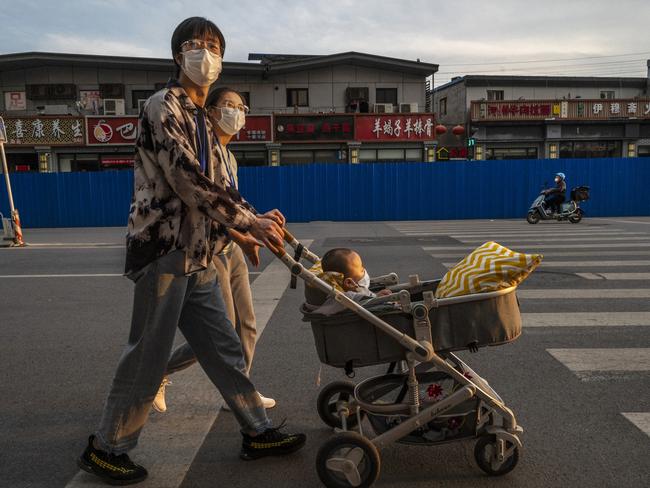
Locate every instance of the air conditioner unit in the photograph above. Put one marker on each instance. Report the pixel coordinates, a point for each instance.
(383, 108)
(141, 103)
(113, 106)
(408, 108)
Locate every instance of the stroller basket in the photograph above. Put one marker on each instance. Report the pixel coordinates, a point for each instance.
(379, 395)
(478, 320)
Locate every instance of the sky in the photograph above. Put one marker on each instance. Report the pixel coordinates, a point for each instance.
(552, 37)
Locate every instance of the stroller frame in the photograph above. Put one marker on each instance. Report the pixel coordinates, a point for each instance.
(496, 428)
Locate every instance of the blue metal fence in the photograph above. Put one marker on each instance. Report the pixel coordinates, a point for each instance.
(372, 191)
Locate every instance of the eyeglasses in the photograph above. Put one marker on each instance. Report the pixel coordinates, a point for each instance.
(192, 44)
(241, 107)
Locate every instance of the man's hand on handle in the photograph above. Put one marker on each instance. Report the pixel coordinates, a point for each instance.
(268, 231)
(276, 216)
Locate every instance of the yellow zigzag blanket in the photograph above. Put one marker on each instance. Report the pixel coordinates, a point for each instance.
(489, 267)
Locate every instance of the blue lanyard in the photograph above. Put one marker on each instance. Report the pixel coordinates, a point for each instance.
(202, 136)
(226, 163)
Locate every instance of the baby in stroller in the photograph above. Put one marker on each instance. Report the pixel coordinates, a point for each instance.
(342, 268)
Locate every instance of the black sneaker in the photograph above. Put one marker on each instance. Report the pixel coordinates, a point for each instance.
(271, 442)
(114, 470)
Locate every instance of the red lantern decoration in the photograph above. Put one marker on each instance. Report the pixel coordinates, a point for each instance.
(440, 129)
(458, 130)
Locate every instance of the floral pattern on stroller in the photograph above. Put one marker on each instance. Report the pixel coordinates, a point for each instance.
(434, 397)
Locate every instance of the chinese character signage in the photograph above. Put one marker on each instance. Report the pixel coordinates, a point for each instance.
(575, 109)
(45, 130)
(385, 128)
(107, 131)
(15, 100)
(258, 128)
(308, 128)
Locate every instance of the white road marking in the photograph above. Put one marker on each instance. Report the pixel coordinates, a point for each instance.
(558, 254)
(586, 319)
(572, 293)
(628, 221)
(615, 276)
(81, 275)
(34, 247)
(640, 420)
(541, 247)
(582, 264)
(556, 238)
(169, 447)
(605, 360)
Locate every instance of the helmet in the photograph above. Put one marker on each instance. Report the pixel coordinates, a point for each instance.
(561, 175)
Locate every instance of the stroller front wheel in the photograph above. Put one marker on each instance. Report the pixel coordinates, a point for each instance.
(486, 455)
(335, 402)
(348, 460)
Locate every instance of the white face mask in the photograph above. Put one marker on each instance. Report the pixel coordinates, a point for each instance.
(201, 66)
(232, 120)
(365, 281)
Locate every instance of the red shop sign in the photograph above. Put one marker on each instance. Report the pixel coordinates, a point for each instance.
(406, 127)
(107, 131)
(117, 161)
(258, 128)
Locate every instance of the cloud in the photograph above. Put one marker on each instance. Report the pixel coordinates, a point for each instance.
(66, 43)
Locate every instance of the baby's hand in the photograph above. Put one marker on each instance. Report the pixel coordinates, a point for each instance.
(383, 293)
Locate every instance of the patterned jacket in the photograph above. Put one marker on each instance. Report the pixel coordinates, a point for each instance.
(175, 206)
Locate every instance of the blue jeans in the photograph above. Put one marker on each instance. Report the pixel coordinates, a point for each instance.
(164, 299)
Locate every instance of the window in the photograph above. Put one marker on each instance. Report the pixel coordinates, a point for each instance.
(607, 94)
(297, 97)
(511, 153)
(495, 94)
(386, 95)
(140, 95)
(250, 158)
(643, 151)
(442, 106)
(590, 149)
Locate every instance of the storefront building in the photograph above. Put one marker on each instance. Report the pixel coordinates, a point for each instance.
(535, 117)
(79, 112)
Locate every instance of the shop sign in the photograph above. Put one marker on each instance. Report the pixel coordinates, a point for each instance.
(412, 127)
(122, 161)
(258, 128)
(313, 128)
(15, 100)
(90, 100)
(110, 131)
(44, 131)
(444, 153)
(575, 109)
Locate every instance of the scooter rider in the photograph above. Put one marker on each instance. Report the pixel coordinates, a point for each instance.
(555, 196)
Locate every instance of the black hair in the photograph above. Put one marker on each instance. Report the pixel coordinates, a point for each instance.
(337, 260)
(216, 94)
(195, 28)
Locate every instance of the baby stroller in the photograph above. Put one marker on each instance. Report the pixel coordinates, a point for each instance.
(433, 397)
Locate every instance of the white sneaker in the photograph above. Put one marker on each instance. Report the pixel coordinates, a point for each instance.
(159, 404)
(267, 402)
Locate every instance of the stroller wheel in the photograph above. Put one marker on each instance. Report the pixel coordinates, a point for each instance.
(485, 453)
(348, 460)
(336, 401)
